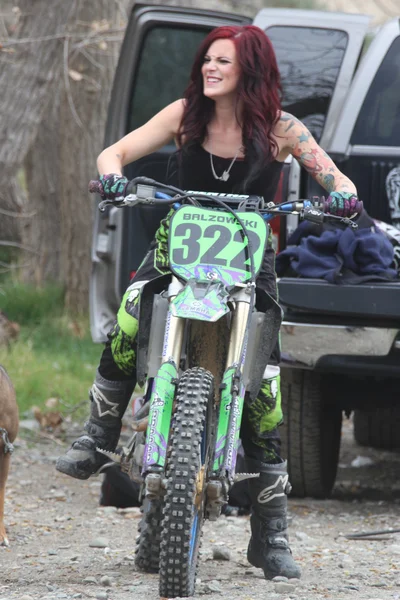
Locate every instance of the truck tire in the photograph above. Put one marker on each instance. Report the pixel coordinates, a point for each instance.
(310, 434)
(378, 428)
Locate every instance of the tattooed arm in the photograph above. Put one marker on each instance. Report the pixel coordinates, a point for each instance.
(294, 138)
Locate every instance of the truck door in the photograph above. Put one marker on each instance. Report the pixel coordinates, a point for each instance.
(366, 143)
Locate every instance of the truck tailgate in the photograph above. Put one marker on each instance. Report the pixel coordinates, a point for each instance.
(374, 300)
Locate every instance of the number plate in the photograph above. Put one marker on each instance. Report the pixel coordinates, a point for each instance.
(208, 244)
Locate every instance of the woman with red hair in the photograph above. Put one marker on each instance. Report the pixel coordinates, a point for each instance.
(231, 136)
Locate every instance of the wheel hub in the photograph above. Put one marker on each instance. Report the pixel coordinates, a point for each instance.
(199, 487)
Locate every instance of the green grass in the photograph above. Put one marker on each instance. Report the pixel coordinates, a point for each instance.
(54, 355)
(29, 305)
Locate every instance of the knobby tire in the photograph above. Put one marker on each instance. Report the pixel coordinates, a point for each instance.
(148, 541)
(184, 505)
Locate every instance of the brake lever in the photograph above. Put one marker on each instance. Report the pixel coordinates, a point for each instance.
(104, 203)
(345, 220)
(130, 200)
(317, 216)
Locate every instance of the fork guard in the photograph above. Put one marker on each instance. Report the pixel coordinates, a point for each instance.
(150, 295)
(264, 332)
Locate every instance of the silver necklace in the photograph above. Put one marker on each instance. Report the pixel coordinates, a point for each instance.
(226, 174)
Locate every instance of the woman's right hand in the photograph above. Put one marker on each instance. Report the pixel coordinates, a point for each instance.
(113, 186)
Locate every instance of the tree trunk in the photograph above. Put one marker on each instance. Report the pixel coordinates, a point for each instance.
(28, 64)
(88, 82)
(41, 231)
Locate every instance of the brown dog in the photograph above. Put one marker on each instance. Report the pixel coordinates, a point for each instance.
(8, 433)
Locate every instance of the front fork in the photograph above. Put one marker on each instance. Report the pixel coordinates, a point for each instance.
(230, 411)
(161, 401)
(232, 394)
(231, 403)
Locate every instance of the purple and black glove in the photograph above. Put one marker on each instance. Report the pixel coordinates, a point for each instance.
(113, 186)
(342, 204)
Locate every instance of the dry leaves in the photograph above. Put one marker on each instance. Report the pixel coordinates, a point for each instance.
(49, 418)
(75, 75)
(9, 330)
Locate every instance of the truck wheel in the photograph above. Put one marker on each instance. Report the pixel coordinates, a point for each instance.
(310, 434)
(378, 428)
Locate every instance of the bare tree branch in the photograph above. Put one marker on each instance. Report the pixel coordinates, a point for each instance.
(95, 40)
(68, 87)
(10, 213)
(13, 267)
(17, 245)
(91, 59)
(60, 36)
(122, 9)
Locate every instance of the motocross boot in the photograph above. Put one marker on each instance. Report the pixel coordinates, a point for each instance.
(269, 543)
(109, 400)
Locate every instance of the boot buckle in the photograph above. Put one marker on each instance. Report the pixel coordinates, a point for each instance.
(278, 541)
(243, 476)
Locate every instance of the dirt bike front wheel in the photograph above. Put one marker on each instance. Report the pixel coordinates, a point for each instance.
(190, 444)
(148, 541)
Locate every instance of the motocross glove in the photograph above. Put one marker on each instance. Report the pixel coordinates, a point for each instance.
(113, 186)
(343, 204)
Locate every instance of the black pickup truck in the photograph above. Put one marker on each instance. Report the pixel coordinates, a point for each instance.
(341, 343)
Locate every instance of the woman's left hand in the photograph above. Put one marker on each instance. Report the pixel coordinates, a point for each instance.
(343, 204)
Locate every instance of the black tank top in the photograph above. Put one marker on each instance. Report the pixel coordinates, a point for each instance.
(195, 173)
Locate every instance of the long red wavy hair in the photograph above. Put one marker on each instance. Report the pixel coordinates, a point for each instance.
(259, 95)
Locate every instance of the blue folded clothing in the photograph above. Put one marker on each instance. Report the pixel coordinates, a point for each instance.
(339, 255)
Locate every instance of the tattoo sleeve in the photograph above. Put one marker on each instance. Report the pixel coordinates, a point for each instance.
(289, 121)
(312, 157)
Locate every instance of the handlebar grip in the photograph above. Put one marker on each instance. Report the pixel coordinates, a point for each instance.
(96, 187)
(359, 207)
(356, 209)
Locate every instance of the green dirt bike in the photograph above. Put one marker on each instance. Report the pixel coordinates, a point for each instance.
(202, 349)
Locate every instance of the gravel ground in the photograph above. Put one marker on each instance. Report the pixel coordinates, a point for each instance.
(64, 546)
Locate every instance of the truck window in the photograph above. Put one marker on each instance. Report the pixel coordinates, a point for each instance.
(378, 122)
(309, 60)
(164, 69)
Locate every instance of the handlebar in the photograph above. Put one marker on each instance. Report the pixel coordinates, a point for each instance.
(146, 191)
(96, 187)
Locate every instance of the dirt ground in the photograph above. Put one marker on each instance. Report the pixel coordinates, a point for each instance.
(64, 546)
